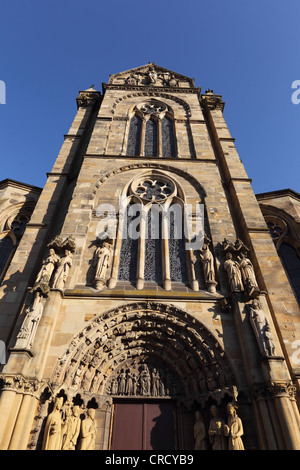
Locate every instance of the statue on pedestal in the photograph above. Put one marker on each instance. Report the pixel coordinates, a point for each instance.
(102, 260)
(199, 433)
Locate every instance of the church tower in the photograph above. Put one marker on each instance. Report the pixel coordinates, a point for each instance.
(145, 306)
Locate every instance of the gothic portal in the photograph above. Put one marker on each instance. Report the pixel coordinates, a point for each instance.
(149, 298)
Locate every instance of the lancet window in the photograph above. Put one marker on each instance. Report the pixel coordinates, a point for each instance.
(288, 248)
(14, 228)
(151, 131)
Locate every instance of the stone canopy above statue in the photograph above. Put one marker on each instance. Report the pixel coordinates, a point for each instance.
(151, 75)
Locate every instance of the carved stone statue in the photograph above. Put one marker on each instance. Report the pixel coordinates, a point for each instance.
(199, 433)
(53, 429)
(95, 382)
(248, 275)
(61, 274)
(216, 430)
(102, 259)
(234, 429)
(145, 380)
(87, 378)
(262, 329)
(30, 324)
(208, 268)
(152, 75)
(269, 341)
(72, 429)
(234, 274)
(88, 431)
(47, 268)
(129, 383)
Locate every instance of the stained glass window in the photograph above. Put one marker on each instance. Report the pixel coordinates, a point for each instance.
(151, 139)
(178, 267)
(129, 252)
(168, 143)
(6, 246)
(134, 137)
(153, 248)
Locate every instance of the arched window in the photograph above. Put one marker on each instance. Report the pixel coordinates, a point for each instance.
(6, 248)
(14, 228)
(168, 140)
(153, 248)
(134, 137)
(151, 131)
(151, 140)
(291, 262)
(129, 250)
(288, 250)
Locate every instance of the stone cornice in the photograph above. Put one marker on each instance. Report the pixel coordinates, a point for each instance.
(149, 88)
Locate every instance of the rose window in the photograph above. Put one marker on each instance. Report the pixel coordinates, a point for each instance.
(154, 189)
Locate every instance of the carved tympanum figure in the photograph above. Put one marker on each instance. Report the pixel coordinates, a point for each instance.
(199, 433)
(216, 431)
(234, 429)
(145, 380)
(234, 274)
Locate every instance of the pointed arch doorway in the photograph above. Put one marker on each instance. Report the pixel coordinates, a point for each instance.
(143, 425)
(155, 357)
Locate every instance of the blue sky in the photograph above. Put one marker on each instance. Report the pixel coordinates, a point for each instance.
(246, 51)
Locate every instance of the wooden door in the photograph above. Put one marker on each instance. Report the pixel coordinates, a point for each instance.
(143, 426)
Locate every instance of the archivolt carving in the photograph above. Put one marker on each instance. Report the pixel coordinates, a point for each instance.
(146, 334)
(157, 166)
(179, 101)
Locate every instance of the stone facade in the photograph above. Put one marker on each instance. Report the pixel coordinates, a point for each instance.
(91, 325)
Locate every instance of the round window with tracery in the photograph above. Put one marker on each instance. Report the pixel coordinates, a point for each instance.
(277, 227)
(153, 188)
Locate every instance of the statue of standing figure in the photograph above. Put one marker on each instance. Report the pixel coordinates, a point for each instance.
(71, 429)
(47, 268)
(234, 274)
(216, 431)
(53, 429)
(234, 429)
(199, 433)
(30, 324)
(102, 258)
(88, 431)
(248, 275)
(208, 268)
(62, 271)
(262, 329)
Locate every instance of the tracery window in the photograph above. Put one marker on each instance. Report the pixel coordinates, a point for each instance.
(14, 228)
(153, 249)
(6, 247)
(288, 250)
(151, 131)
